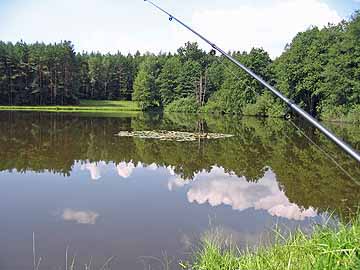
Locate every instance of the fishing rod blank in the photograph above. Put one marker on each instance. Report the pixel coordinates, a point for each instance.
(347, 148)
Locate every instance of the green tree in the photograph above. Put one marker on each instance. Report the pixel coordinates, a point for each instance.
(192, 52)
(188, 79)
(146, 92)
(168, 80)
(238, 88)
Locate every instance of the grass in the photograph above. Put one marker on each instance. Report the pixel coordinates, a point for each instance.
(326, 248)
(103, 106)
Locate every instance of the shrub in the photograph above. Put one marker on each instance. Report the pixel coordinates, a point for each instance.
(341, 113)
(265, 105)
(185, 105)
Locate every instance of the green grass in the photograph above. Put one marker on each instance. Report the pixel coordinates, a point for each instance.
(104, 106)
(325, 248)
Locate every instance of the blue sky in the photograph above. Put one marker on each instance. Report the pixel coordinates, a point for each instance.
(112, 25)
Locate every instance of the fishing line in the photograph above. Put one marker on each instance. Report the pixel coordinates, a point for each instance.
(325, 153)
(299, 129)
(296, 127)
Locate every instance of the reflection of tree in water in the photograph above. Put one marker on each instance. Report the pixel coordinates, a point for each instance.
(40, 141)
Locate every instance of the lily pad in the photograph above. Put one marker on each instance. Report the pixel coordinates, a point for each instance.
(178, 136)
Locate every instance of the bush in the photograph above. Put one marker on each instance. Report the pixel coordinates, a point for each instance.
(341, 113)
(184, 105)
(212, 106)
(354, 114)
(265, 105)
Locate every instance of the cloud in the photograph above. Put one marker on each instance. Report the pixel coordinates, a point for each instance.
(152, 167)
(94, 169)
(270, 25)
(125, 169)
(171, 169)
(92, 25)
(109, 25)
(80, 217)
(220, 188)
(177, 182)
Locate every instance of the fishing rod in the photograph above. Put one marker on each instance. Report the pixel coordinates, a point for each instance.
(347, 148)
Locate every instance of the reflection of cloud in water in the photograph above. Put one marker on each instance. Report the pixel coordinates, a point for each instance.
(125, 169)
(81, 217)
(171, 170)
(218, 187)
(152, 167)
(93, 168)
(176, 182)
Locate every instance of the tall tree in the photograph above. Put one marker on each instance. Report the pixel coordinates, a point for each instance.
(188, 79)
(168, 80)
(145, 90)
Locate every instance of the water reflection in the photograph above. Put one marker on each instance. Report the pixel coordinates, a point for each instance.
(218, 187)
(43, 142)
(80, 217)
(125, 169)
(93, 168)
(75, 163)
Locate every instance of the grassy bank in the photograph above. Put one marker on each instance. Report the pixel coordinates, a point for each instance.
(325, 248)
(103, 106)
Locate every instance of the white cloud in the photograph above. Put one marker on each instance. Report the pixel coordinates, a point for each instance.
(270, 26)
(220, 188)
(177, 182)
(80, 217)
(152, 167)
(94, 169)
(125, 169)
(92, 25)
(171, 169)
(109, 25)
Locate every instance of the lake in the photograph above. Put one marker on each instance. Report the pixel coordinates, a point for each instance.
(145, 203)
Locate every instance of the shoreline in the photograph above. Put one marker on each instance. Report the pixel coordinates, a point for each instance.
(96, 106)
(68, 109)
(130, 107)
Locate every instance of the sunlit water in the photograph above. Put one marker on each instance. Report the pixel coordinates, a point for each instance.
(72, 182)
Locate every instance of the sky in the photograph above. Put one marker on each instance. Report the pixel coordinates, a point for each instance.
(131, 25)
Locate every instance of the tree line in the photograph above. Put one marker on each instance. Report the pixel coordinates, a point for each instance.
(319, 69)
(53, 74)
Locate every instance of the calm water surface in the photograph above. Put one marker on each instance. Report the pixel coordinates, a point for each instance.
(147, 202)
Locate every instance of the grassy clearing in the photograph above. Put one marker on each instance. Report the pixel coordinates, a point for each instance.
(325, 248)
(104, 106)
(110, 103)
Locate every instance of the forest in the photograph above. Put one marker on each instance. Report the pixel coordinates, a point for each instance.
(319, 70)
